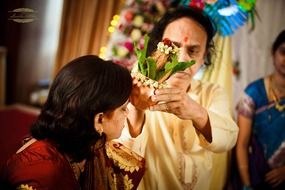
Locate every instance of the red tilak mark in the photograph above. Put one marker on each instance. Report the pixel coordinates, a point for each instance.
(185, 39)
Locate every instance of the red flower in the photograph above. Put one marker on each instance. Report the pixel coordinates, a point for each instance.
(167, 42)
(128, 16)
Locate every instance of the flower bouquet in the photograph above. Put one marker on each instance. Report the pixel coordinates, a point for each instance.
(154, 70)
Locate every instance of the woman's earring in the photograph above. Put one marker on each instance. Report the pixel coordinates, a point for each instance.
(98, 123)
(100, 131)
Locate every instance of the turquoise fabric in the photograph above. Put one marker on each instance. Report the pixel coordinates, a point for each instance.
(268, 122)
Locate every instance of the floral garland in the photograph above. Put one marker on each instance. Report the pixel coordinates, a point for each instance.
(157, 68)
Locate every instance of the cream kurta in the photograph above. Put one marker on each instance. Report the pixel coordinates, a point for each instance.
(177, 156)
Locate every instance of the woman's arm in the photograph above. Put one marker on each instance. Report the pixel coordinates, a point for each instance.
(135, 120)
(244, 124)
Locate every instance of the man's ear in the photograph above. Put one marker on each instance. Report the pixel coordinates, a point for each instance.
(206, 57)
(98, 122)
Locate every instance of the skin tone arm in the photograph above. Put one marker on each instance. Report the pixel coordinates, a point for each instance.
(276, 176)
(179, 103)
(242, 148)
(176, 100)
(135, 120)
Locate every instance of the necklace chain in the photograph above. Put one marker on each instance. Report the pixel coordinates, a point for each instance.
(275, 97)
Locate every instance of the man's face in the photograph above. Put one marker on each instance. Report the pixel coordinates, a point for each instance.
(191, 38)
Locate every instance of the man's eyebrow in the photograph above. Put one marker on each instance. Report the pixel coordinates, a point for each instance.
(195, 46)
(177, 43)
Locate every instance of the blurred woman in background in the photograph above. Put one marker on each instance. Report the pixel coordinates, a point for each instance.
(261, 119)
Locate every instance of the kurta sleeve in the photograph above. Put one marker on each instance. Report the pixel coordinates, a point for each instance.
(224, 129)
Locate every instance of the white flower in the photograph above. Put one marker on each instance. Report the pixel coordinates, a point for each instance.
(122, 51)
(136, 34)
(138, 21)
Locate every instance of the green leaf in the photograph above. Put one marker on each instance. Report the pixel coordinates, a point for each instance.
(141, 54)
(151, 67)
(181, 66)
(170, 65)
(114, 51)
(147, 65)
(159, 75)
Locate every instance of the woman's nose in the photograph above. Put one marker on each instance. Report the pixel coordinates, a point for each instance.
(183, 55)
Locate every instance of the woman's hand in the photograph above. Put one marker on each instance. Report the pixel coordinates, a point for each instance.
(276, 176)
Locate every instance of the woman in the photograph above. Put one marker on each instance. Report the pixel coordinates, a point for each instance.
(84, 111)
(190, 120)
(261, 117)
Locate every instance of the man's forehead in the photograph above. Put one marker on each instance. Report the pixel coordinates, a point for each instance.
(185, 30)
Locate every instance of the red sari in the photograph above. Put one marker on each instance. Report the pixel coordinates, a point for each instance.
(40, 166)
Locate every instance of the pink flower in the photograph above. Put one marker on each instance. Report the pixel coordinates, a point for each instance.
(128, 16)
(129, 46)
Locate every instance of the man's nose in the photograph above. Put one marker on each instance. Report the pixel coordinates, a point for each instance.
(183, 55)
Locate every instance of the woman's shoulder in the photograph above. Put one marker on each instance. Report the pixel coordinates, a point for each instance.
(256, 88)
(41, 150)
(255, 84)
(38, 165)
(124, 156)
(37, 160)
(127, 163)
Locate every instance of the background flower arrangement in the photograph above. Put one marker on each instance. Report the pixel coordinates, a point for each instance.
(138, 17)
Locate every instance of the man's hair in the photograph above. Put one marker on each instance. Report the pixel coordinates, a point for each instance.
(175, 14)
(84, 87)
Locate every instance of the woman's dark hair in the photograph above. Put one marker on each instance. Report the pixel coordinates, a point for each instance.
(172, 15)
(84, 87)
(278, 41)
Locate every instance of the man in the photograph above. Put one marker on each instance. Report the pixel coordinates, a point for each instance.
(191, 120)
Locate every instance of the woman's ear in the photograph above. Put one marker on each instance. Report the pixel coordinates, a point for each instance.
(98, 122)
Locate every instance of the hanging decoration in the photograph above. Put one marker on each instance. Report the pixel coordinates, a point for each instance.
(228, 15)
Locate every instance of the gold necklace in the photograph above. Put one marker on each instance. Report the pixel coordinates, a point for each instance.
(275, 98)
